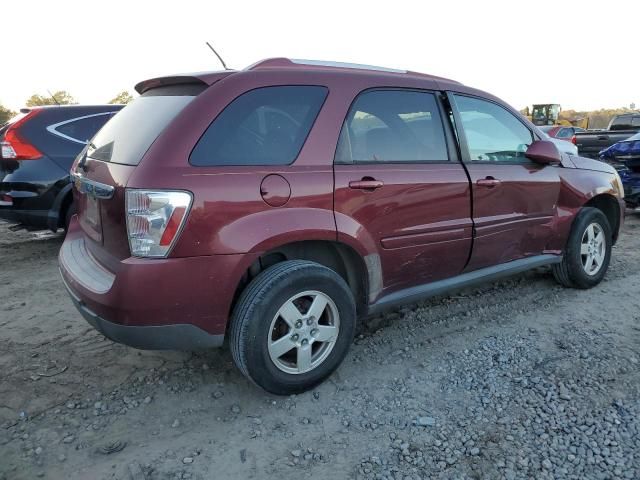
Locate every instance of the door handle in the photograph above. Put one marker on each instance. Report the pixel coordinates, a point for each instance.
(603, 137)
(367, 183)
(488, 182)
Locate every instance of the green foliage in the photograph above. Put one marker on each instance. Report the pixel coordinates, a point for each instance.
(5, 114)
(62, 96)
(122, 98)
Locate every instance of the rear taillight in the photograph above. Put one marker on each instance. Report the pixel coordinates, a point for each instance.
(154, 220)
(574, 140)
(15, 146)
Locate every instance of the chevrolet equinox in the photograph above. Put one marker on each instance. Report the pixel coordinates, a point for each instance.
(276, 205)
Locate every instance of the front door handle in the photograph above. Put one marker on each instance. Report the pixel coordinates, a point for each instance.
(488, 182)
(367, 183)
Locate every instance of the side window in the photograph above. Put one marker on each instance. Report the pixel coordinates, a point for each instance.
(392, 126)
(565, 133)
(493, 134)
(635, 122)
(265, 126)
(83, 129)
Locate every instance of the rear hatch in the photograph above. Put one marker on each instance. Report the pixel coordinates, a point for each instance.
(103, 168)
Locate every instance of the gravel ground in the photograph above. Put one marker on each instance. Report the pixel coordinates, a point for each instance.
(517, 379)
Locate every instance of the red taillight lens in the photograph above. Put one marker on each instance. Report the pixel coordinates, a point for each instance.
(172, 226)
(15, 146)
(154, 219)
(574, 140)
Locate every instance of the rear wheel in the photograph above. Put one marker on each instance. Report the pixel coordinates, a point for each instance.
(586, 258)
(292, 326)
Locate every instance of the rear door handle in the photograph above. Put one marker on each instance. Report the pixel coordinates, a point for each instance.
(366, 184)
(488, 182)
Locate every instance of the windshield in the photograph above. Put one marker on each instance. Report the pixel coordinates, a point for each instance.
(547, 128)
(129, 134)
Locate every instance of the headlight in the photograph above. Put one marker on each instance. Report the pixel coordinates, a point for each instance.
(617, 185)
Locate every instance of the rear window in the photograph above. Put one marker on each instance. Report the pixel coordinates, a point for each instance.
(565, 133)
(625, 122)
(126, 138)
(265, 126)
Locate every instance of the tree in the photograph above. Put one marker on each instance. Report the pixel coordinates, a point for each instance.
(5, 114)
(122, 98)
(62, 97)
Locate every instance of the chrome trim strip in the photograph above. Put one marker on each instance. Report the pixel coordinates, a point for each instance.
(53, 128)
(91, 187)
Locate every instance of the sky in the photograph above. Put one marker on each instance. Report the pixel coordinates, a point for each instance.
(576, 53)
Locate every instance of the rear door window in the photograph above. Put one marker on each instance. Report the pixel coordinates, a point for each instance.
(265, 126)
(392, 126)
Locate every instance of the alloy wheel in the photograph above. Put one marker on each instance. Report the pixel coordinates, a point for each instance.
(303, 332)
(593, 249)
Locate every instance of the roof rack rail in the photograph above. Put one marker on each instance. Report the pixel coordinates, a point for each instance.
(292, 62)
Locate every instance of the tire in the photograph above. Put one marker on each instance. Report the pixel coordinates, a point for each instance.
(572, 272)
(263, 315)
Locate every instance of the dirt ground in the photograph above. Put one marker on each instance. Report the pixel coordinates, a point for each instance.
(503, 381)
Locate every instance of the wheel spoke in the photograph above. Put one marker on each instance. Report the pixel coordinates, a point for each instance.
(290, 313)
(590, 234)
(317, 307)
(304, 358)
(600, 238)
(326, 333)
(598, 257)
(584, 249)
(281, 346)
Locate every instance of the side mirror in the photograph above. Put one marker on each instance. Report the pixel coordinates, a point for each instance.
(543, 152)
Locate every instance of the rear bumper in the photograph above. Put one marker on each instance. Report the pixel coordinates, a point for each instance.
(163, 337)
(173, 303)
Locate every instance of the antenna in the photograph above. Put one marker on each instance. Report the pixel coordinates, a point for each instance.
(54, 98)
(219, 57)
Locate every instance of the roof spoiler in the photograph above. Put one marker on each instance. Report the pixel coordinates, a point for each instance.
(165, 81)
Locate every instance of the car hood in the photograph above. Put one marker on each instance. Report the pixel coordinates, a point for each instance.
(584, 163)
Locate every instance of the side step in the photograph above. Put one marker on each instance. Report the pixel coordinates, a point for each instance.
(483, 275)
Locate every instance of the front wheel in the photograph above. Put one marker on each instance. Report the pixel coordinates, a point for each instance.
(588, 252)
(292, 326)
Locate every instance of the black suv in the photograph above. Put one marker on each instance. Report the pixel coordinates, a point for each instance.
(37, 148)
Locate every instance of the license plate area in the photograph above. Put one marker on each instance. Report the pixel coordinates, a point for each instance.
(89, 216)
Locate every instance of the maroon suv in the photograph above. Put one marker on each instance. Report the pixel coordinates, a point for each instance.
(277, 204)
